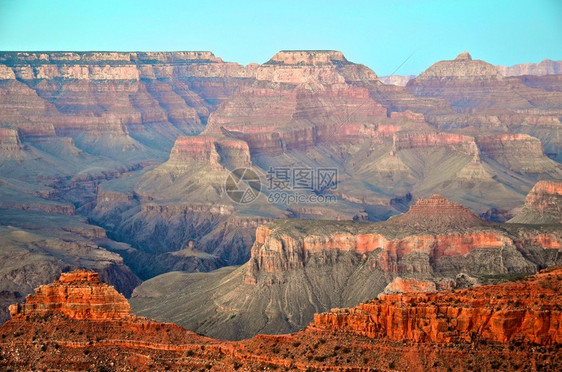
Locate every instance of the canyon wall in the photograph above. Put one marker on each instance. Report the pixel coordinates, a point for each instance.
(504, 313)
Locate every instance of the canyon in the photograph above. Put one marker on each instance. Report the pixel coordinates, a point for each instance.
(117, 162)
(301, 267)
(513, 325)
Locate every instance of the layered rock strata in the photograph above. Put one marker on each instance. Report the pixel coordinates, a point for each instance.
(474, 85)
(542, 205)
(509, 326)
(525, 311)
(298, 267)
(76, 295)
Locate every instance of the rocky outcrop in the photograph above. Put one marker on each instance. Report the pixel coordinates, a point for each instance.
(309, 57)
(76, 295)
(437, 213)
(217, 152)
(456, 142)
(312, 67)
(10, 141)
(517, 311)
(545, 194)
(519, 152)
(80, 313)
(462, 67)
(509, 326)
(542, 205)
(399, 285)
(101, 65)
(545, 67)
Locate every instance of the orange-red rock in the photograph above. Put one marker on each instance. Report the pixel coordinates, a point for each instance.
(510, 326)
(516, 311)
(76, 295)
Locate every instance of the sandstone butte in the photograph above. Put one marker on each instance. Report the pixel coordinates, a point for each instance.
(79, 323)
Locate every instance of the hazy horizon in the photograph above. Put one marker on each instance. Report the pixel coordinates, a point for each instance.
(401, 37)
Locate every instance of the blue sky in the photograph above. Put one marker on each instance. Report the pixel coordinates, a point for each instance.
(379, 34)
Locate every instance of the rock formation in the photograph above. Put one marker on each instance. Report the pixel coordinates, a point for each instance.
(76, 295)
(37, 245)
(142, 97)
(217, 152)
(462, 67)
(140, 144)
(472, 85)
(299, 267)
(523, 311)
(437, 213)
(78, 322)
(543, 204)
(318, 101)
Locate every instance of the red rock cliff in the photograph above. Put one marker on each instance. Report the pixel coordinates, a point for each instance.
(515, 311)
(435, 227)
(398, 332)
(76, 295)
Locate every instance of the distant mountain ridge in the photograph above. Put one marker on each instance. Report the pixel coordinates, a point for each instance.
(545, 67)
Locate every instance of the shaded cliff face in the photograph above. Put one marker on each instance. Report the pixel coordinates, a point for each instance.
(299, 267)
(507, 326)
(543, 204)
